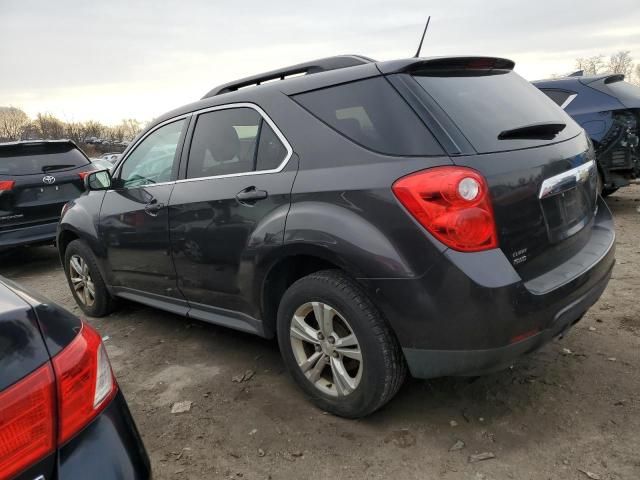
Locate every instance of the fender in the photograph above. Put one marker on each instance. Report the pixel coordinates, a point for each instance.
(81, 217)
(336, 233)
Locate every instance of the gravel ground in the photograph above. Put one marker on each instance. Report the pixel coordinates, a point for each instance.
(569, 411)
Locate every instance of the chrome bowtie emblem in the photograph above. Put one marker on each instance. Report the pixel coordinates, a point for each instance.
(49, 179)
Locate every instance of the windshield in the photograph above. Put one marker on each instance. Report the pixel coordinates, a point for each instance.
(484, 106)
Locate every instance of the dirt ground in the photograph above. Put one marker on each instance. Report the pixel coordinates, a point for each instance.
(569, 411)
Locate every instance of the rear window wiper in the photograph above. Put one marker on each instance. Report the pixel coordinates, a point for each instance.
(542, 131)
(48, 168)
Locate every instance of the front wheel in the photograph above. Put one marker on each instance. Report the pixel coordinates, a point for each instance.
(85, 281)
(337, 346)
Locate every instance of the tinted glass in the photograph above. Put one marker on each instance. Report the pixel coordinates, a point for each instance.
(483, 106)
(153, 159)
(271, 151)
(558, 96)
(371, 113)
(43, 158)
(224, 142)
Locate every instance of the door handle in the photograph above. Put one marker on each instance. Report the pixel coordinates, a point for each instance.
(250, 195)
(153, 207)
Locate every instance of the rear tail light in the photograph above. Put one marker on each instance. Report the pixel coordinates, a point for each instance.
(27, 421)
(6, 185)
(28, 416)
(83, 174)
(453, 204)
(85, 382)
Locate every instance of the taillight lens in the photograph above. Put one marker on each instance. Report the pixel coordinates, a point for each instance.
(453, 204)
(83, 174)
(27, 419)
(6, 185)
(85, 382)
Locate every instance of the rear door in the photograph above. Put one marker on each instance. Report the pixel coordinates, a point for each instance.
(536, 159)
(134, 223)
(230, 209)
(37, 179)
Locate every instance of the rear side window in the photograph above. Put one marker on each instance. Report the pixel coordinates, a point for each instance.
(271, 151)
(24, 159)
(371, 113)
(232, 141)
(558, 96)
(485, 105)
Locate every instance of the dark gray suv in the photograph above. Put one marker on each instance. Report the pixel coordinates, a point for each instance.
(437, 214)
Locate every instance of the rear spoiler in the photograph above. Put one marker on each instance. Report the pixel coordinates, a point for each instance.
(449, 65)
(606, 79)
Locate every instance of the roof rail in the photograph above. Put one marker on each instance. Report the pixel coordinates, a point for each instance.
(307, 68)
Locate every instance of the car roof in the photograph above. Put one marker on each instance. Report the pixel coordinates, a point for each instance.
(314, 75)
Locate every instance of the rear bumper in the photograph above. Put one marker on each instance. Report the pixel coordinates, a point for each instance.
(472, 313)
(44, 233)
(110, 448)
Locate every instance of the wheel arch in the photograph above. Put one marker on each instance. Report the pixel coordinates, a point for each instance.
(282, 272)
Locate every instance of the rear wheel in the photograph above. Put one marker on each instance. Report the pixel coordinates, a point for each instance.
(337, 346)
(85, 281)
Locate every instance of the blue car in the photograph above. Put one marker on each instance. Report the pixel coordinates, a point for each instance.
(608, 108)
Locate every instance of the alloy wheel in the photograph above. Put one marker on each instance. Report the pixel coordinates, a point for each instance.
(326, 349)
(81, 280)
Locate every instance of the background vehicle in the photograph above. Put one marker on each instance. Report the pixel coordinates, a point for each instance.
(36, 179)
(111, 157)
(608, 108)
(436, 214)
(61, 413)
(101, 164)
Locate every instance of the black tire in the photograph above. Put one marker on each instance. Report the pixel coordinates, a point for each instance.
(103, 301)
(608, 191)
(383, 365)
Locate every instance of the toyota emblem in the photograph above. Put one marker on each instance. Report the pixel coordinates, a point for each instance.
(49, 179)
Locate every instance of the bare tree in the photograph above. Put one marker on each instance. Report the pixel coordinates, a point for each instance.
(621, 62)
(636, 75)
(130, 127)
(94, 129)
(13, 122)
(49, 126)
(591, 65)
(75, 131)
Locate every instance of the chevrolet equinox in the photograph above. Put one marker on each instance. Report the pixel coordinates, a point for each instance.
(435, 215)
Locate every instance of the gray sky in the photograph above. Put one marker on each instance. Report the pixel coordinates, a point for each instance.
(127, 58)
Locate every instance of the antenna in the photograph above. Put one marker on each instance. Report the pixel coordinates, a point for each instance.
(422, 39)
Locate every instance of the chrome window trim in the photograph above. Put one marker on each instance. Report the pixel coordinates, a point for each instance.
(569, 99)
(265, 117)
(196, 113)
(566, 180)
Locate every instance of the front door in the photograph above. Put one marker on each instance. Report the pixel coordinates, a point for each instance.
(134, 223)
(229, 211)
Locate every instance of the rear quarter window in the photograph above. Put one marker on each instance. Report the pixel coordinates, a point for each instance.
(40, 158)
(559, 97)
(372, 114)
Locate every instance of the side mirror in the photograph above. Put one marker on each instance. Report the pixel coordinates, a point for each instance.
(98, 180)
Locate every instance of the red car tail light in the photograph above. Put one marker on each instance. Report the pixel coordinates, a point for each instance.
(453, 204)
(27, 421)
(6, 185)
(83, 174)
(85, 382)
